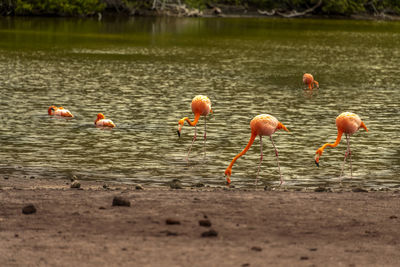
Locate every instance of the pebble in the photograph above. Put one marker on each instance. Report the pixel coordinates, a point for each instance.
(75, 184)
(176, 184)
(256, 249)
(303, 258)
(139, 187)
(120, 201)
(29, 209)
(359, 189)
(199, 185)
(172, 221)
(210, 233)
(205, 223)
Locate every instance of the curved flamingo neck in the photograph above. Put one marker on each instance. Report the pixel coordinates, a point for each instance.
(251, 141)
(196, 119)
(338, 138)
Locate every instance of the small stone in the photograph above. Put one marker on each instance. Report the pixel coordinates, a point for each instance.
(320, 189)
(303, 258)
(313, 249)
(120, 201)
(29, 209)
(210, 233)
(102, 208)
(205, 223)
(32, 177)
(199, 185)
(16, 235)
(75, 184)
(74, 178)
(256, 249)
(245, 264)
(172, 221)
(175, 184)
(124, 249)
(359, 190)
(105, 186)
(139, 187)
(393, 217)
(6, 177)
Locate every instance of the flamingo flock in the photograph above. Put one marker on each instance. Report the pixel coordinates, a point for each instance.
(261, 125)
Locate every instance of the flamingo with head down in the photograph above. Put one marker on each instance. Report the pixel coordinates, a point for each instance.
(308, 79)
(101, 121)
(260, 125)
(201, 106)
(61, 112)
(347, 123)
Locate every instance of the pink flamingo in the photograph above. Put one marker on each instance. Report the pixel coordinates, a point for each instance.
(308, 79)
(101, 121)
(263, 124)
(201, 106)
(62, 112)
(347, 123)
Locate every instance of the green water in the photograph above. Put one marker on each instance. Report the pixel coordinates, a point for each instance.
(143, 73)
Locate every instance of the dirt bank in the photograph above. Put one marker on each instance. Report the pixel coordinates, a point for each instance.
(80, 227)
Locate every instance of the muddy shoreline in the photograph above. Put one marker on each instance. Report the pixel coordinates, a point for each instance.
(200, 226)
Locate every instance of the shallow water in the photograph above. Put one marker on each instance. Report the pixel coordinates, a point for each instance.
(143, 73)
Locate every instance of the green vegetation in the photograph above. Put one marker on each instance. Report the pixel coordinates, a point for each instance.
(91, 7)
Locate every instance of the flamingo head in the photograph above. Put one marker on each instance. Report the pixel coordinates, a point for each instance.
(318, 154)
(51, 110)
(100, 116)
(180, 125)
(228, 173)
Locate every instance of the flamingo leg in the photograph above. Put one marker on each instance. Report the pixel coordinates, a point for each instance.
(261, 158)
(277, 159)
(194, 139)
(205, 135)
(345, 157)
(351, 167)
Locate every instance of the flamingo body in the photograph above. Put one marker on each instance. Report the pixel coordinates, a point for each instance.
(261, 125)
(308, 79)
(347, 123)
(201, 106)
(61, 112)
(101, 121)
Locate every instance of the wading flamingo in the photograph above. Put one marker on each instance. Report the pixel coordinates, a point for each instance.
(201, 106)
(101, 121)
(62, 112)
(308, 79)
(347, 123)
(263, 124)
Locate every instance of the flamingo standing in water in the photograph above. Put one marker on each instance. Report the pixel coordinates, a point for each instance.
(347, 123)
(263, 124)
(308, 79)
(101, 121)
(201, 106)
(62, 112)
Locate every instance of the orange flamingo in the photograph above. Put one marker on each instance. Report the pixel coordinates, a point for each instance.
(347, 123)
(263, 124)
(62, 112)
(201, 106)
(101, 121)
(308, 79)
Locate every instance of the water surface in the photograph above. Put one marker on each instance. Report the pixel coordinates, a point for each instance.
(143, 73)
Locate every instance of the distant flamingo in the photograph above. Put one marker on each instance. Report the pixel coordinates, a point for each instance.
(201, 105)
(263, 124)
(347, 123)
(308, 79)
(101, 121)
(53, 110)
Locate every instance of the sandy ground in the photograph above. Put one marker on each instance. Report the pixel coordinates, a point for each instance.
(80, 227)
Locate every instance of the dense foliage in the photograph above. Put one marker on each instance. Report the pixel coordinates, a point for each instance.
(90, 7)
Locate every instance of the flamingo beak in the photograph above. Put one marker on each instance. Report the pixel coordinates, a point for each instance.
(179, 130)
(317, 160)
(179, 133)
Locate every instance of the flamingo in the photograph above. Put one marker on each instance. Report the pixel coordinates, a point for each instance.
(347, 123)
(101, 121)
(62, 112)
(201, 106)
(260, 125)
(308, 79)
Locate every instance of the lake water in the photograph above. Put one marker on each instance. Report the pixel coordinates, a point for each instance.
(143, 73)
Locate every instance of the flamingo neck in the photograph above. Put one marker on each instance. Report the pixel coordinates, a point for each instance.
(228, 170)
(338, 138)
(196, 119)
